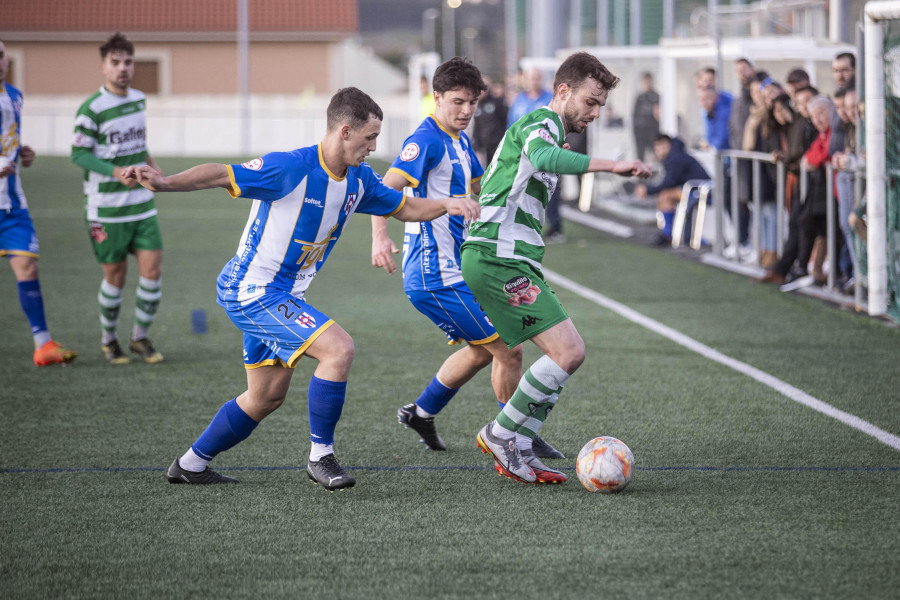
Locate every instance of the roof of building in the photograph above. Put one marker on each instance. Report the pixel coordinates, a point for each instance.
(298, 16)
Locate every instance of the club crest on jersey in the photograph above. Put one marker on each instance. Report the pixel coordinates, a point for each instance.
(254, 165)
(519, 291)
(351, 201)
(546, 136)
(410, 152)
(306, 321)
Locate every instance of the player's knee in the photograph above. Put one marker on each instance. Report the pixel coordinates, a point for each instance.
(344, 351)
(25, 268)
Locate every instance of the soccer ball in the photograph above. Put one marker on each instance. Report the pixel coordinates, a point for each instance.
(605, 465)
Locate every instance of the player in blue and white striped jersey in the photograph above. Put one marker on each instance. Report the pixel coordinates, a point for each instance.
(18, 240)
(437, 160)
(302, 201)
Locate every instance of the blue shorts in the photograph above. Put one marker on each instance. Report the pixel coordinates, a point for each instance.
(278, 328)
(455, 310)
(17, 235)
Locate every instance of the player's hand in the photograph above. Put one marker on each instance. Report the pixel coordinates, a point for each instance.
(632, 168)
(382, 249)
(125, 176)
(468, 209)
(27, 154)
(144, 175)
(8, 169)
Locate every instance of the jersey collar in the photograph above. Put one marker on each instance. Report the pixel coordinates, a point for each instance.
(325, 167)
(442, 128)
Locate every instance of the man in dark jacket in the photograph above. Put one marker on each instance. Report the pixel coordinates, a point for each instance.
(680, 168)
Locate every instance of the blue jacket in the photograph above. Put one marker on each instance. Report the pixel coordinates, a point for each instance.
(716, 126)
(680, 168)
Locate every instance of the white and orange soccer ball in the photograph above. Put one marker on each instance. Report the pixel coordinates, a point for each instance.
(605, 465)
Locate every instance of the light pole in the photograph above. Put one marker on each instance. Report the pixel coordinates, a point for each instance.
(429, 21)
(468, 38)
(449, 7)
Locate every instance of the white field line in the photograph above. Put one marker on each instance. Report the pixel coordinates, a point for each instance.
(795, 394)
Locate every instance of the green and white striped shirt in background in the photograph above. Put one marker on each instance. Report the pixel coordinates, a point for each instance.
(114, 128)
(514, 193)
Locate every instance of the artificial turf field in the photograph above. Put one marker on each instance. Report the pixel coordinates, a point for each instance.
(739, 491)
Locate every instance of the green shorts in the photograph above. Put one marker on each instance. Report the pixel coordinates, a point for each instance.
(514, 295)
(113, 241)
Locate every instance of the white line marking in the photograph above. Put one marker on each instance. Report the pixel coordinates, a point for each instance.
(604, 225)
(795, 394)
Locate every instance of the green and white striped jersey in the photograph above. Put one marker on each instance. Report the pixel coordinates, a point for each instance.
(514, 193)
(114, 128)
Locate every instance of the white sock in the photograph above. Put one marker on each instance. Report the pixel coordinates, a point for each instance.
(190, 461)
(422, 413)
(523, 442)
(501, 431)
(319, 450)
(41, 338)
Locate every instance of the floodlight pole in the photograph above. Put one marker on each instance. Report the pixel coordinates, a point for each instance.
(243, 39)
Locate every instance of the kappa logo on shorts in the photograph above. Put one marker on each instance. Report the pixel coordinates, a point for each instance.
(528, 321)
(305, 320)
(254, 165)
(410, 152)
(98, 233)
(519, 290)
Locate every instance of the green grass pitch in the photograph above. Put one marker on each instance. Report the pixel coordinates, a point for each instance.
(739, 491)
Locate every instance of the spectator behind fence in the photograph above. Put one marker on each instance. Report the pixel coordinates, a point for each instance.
(812, 215)
(490, 121)
(740, 111)
(716, 110)
(680, 168)
(843, 69)
(768, 140)
(645, 117)
(845, 182)
(797, 79)
(532, 97)
(705, 78)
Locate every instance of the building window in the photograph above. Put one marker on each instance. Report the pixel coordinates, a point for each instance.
(146, 76)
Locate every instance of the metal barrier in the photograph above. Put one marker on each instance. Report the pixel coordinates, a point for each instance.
(756, 158)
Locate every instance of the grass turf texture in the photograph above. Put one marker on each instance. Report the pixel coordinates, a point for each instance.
(738, 492)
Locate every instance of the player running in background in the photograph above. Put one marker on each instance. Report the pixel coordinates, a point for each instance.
(302, 201)
(438, 161)
(110, 135)
(501, 259)
(18, 240)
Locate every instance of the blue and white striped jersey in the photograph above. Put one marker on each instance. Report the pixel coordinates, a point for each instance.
(437, 164)
(11, 193)
(299, 210)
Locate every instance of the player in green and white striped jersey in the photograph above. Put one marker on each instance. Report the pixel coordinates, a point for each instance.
(110, 135)
(501, 259)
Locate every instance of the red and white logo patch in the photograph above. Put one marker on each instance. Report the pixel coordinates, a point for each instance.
(254, 165)
(410, 152)
(546, 135)
(306, 320)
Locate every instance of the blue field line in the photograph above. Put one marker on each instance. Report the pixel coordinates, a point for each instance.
(11, 470)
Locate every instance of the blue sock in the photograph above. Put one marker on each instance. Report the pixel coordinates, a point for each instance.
(435, 397)
(326, 400)
(230, 426)
(668, 222)
(33, 305)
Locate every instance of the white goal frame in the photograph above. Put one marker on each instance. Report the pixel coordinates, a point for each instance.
(876, 175)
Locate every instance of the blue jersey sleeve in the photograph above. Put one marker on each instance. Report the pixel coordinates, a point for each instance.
(268, 178)
(377, 198)
(419, 156)
(477, 169)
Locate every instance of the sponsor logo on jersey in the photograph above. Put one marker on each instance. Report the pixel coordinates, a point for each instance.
(519, 290)
(313, 252)
(313, 201)
(132, 134)
(254, 165)
(98, 233)
(305, 320)
(546, 136)
(410, 152)
(81, 141)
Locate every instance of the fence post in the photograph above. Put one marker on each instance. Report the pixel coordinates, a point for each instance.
(757, 209)
(830, 222)
(779, 202)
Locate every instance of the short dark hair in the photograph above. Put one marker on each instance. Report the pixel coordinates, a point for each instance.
(809, 89)
(797, 76)
(458, 73)
(761, 76)
(744, 60)
(580, 66)
(116, 43)
(353, 106)
(849, 56)
(662, 138)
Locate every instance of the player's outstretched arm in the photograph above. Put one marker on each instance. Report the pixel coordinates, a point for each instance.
(427, 209)
(625, 168)
(201, 177)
